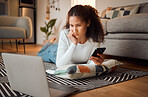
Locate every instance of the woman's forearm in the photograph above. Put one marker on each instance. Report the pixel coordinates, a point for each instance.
(64, 55)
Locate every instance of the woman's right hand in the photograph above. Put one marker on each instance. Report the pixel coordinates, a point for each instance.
(72, 37)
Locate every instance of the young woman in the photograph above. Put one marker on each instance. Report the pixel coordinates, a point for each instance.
(82, 35)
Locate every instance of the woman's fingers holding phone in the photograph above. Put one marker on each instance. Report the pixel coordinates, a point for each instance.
(97, 60)
(100, 55)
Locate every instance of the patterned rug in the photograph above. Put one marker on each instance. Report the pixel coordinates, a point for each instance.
(120, 75)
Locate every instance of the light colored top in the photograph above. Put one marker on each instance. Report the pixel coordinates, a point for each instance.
(69, 53)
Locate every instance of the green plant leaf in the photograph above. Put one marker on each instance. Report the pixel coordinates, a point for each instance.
(48, 27)
(51, 23)
(43, 29)
(49, 33)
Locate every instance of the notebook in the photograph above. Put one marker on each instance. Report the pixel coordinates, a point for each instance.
(26, 74)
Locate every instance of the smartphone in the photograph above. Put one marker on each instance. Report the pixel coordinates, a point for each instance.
(98, 50)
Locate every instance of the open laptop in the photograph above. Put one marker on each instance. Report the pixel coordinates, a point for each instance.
(26, 74)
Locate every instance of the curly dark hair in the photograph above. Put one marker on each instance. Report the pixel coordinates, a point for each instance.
(88, 13)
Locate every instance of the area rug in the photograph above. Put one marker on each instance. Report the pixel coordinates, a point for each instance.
(119, 75)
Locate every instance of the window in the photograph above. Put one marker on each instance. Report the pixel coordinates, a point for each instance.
(83, 2)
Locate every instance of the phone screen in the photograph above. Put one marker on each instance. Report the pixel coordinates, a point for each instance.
(98, 50)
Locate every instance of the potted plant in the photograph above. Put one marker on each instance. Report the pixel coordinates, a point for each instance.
(48, 28)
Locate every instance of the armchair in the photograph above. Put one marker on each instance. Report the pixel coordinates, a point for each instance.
(15, 28)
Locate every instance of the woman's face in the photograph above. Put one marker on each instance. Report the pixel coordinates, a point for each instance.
(77, 26)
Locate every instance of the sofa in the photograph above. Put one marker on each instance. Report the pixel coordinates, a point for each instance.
(126, 31)
(15, 28)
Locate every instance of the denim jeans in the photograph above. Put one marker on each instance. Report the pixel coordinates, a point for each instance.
(49, 52)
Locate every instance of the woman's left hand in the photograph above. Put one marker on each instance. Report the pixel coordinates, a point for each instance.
(72, 37)
(97, 60)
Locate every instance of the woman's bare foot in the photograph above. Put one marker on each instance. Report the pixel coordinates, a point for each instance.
(50, 40)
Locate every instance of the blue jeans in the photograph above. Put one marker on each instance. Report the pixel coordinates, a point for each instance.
(49, 52)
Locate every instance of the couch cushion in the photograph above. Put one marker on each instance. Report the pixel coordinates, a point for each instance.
(8, 21)
(127, 36)
(127, 48)
(25, 23)
(132, 23)
(104, 24)
(12, 33)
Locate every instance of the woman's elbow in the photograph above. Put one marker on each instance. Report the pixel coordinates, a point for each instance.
(59, 64)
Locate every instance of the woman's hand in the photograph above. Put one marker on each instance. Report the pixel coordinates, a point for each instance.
(97, 60)
(72, 37)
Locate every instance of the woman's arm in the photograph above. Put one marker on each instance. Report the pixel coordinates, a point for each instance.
(65, 50)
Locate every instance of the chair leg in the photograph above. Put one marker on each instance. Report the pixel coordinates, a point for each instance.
(10, 43)
(16, 45)
(24, 45)
(2, 45)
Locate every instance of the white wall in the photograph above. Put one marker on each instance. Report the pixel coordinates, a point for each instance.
(41, 14)
(61, 15)
(64, 6)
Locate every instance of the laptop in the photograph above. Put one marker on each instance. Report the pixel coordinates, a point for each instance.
(26, 74)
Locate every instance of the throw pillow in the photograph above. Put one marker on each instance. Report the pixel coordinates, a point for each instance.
(104, 12)
(122, 11)
(130, 10)
(144, 8)
(112, 14)
(78, 71)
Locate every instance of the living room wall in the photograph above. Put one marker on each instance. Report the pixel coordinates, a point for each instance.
(64, 6)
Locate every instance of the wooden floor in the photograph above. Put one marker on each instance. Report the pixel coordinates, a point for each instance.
(133, 88)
